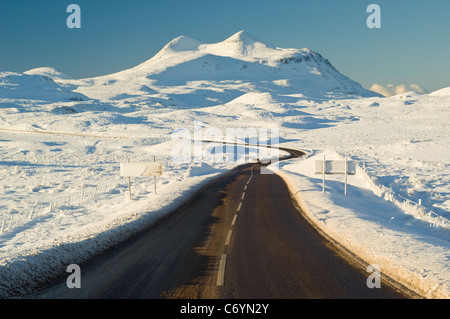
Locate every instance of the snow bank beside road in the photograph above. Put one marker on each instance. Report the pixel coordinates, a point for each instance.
(413, 251)
(23, 269)
(35, 249)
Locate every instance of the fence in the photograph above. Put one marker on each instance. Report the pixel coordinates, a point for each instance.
(39, 210)
(414, 208)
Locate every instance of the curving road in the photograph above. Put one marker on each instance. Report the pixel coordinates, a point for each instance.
(241, 237)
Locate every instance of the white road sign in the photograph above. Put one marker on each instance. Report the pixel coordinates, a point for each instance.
(335, 167)
(140, 169)
(343, 167)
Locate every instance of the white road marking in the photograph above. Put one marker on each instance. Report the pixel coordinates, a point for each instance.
(234, 220)
(228, 240)
(221, 274)
(223, 258)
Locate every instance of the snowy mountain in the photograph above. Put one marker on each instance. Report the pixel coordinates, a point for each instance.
(50, 72)
(187, 73)
(242, 62)
(441, 92)
(23, 86)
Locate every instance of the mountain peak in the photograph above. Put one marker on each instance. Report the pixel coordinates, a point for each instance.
(183, 43)
(243, 37)
(50, 72)
(177, 45)
(246, 39)
(240, 45)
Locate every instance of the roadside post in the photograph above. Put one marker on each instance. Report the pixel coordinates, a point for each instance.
(346, 174)
(323, 172)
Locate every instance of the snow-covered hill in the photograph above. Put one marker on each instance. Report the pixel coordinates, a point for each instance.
(242, 59)
(50, 72)
(34, 86)
(441, 92)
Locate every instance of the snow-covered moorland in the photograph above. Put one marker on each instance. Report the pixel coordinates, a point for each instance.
(62, 141)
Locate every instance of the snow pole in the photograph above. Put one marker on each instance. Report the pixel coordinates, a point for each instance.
(346, 173)
(323, 172)
(129, 183)
(154, 177)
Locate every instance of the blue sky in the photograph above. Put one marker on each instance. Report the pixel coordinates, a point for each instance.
(412, 46)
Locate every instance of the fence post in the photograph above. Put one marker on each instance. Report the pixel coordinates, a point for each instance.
(154, 177)
(31, 213)
(346, 171)
(323, 173)
(129, 183)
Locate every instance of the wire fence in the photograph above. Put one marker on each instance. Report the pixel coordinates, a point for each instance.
(38, 210)
(415, 208)
(21, 218)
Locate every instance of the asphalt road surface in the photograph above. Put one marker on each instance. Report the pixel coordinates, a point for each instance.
(241, 237)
